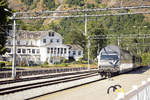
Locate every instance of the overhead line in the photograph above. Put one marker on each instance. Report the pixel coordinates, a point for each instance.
(76, 16)
(120, 36)
(87, 10)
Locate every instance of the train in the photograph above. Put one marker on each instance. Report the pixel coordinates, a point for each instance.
(112, 60)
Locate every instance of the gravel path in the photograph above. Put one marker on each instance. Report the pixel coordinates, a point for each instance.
(97, 90)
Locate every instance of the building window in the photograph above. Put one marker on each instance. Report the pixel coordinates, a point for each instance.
(58, 41)
(48, 50)
(74, 52)
(44, 40)
(27, 42)
(51, 41)
(79, 53)
(8, 50)
(33, 51)
(18, 50)
(9, 42)
(18, 42)
(51, 50)
(58, 50)
(65, 50)
(51, 34)
(61, 50)
(54, 50)
(38, 51)
(23, 50)
(29, 50)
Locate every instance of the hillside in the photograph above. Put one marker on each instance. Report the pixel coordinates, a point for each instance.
(41, 5)
(72, 29)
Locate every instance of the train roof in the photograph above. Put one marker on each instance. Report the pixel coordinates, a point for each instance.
(111, 48)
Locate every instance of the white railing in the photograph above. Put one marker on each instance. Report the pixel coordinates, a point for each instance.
(141, 92)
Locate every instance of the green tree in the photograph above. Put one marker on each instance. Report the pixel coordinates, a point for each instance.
(3, 24)
(96, 42)
(50, 4)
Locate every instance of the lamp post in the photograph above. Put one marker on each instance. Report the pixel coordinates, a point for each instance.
(14, 45)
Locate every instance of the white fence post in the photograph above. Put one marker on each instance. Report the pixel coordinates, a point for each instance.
(136, 89)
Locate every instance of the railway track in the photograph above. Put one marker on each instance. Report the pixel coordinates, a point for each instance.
(42, 77)
(48, 82)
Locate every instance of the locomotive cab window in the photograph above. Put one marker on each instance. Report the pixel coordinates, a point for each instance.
(109, 57)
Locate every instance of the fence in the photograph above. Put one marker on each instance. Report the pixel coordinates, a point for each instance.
(41, 71)
(141, 92)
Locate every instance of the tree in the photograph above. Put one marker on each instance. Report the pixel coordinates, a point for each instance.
(3, 24)
(96, 44)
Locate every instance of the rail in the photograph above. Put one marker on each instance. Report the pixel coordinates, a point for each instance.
(141, 92)
(41, 83)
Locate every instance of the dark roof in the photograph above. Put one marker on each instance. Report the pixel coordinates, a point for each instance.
(74, 47)
(111, 48)
(27, 35)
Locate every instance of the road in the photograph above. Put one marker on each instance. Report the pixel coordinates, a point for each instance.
(98, 90)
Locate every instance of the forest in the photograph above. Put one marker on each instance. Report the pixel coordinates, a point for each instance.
(72, 29)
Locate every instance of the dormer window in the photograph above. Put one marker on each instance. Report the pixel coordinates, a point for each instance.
(51, 34)
(44, 40)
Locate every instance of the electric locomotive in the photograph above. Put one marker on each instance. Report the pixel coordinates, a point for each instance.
(113, 60)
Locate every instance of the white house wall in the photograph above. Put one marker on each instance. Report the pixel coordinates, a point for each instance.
(48, 40)
(43, 53)
(42, 48)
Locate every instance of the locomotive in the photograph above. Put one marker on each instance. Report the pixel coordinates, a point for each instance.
(112, 61)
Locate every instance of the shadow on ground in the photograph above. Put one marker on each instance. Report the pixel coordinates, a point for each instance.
(140, 70)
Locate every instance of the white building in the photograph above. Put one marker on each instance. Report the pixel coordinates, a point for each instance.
(75, 52)
(39, 46)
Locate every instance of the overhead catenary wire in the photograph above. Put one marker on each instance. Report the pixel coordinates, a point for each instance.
(38, 15)
(87, 10)
(140, 36)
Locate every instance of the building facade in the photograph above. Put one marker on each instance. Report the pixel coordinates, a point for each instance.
(36, 47)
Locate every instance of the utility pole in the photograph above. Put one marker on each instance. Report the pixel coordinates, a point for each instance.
(14, 48)
(85, 24)
(118, 40)
(88, 52)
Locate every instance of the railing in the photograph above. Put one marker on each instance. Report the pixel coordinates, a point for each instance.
(41, 71)
(141, 92)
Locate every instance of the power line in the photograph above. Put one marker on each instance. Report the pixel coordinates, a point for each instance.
(130, 36)
(76, 16)
(86, 10)
(38, 15)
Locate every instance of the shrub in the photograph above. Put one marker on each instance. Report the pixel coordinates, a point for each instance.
(145, 59)
(45, 63)
(2, 64)
(9, 63)
(65, 61)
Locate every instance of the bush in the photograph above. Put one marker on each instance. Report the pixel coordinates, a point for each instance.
(45, 63)
(2, 64)
(9, 63)
(65, 61)
(145, 59)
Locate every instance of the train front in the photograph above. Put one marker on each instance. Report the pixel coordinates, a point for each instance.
(109, 60)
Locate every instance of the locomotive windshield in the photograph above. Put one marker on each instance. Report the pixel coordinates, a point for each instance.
(109, 57)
